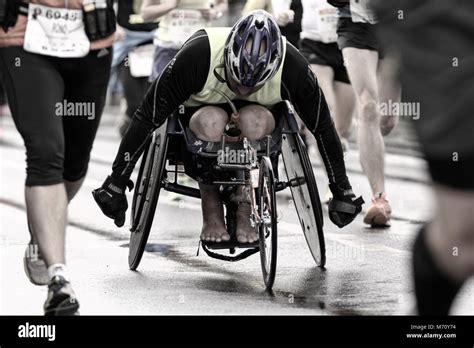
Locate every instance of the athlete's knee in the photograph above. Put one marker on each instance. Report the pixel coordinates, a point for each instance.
(388, 124)
(368, 106)
(44, 161)
(256, 121)
(208, 123)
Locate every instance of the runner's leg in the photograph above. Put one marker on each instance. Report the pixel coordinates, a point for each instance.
(389, 91)
(362, 69)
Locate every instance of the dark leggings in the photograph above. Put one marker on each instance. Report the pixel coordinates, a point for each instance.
(58, 140)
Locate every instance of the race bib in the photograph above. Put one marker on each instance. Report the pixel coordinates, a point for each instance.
(361, 12)
(319, 21)
(141, 61)
(327, 24)
(55, 32)
(183, 23)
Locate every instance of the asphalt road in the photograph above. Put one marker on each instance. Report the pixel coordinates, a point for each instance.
(367, 270)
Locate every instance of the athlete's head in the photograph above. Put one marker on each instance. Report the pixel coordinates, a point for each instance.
(253, 52)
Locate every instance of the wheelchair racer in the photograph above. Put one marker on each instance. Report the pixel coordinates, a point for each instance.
(252, 64)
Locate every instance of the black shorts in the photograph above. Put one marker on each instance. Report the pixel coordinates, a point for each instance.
(358, 35)
(453, 174)
(56, 104)
(325, 54)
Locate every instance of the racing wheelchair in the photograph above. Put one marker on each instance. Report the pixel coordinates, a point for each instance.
(172, 145)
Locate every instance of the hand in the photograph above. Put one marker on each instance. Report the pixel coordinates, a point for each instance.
(111, 199)
(285, 17)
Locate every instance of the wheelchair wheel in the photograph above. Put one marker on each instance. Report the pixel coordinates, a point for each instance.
(145, 196)
(267, 230)
(137, 202)
(305, 194)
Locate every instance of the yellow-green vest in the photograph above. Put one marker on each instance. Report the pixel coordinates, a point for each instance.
(268, 95)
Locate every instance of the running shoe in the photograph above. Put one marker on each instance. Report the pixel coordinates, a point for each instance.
(61, 299)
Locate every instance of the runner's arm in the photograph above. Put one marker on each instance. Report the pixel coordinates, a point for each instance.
(151, 10)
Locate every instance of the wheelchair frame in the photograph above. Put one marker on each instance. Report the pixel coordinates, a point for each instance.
(258, 176)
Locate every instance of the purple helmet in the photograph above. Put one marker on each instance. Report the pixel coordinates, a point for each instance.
(253, 51)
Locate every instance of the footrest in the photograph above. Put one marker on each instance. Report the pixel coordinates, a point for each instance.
(229, 245)
(251, 248)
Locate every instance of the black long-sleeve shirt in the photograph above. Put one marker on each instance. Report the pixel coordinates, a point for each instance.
(186, 75)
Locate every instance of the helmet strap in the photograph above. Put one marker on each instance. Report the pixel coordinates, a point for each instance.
(217, 75)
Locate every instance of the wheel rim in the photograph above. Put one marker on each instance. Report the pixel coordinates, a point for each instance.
(137, 202)
(265, 213)
(268, 227)
(147, 196)
(308, 212)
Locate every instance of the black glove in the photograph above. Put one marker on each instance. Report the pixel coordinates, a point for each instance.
(112, 200)
(344, 206)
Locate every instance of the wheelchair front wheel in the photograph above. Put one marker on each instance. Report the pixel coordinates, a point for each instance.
(267, 229)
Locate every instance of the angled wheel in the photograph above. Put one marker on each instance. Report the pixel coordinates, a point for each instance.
(145, 196)
(305, 194)
(267, 229)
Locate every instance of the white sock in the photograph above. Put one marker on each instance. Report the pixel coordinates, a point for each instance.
(58, 269)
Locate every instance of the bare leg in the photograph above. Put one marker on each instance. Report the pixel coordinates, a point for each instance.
(46, 208)
(344, 109)
(389, 90)
(72, 187)
(255, 122)
(443, 254)
(245, 232)
(362, 69)
(450, 236)
(325, 75)
(340, 98)
(213, 227)
(208, 123)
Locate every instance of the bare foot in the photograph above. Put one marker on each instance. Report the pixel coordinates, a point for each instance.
(213, 227)
(214, 231)
(245, 232)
